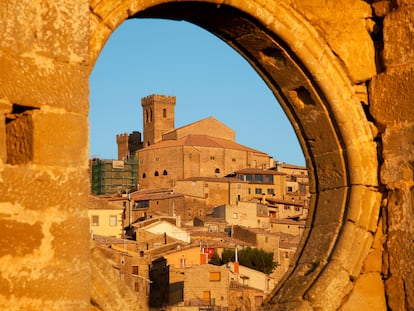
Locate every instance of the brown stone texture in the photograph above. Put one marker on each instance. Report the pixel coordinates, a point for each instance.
(344, 25)
(368, 294)
(399, 37)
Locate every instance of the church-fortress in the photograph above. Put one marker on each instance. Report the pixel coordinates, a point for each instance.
(205, 148)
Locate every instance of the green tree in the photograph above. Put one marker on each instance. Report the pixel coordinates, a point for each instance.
(215, 260)
(257, 259)
(227, 256)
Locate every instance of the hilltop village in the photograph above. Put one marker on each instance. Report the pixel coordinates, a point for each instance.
(176, 202)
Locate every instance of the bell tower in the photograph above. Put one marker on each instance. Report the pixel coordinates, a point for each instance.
(158, 117)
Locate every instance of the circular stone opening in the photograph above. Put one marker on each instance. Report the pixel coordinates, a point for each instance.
(319, 101)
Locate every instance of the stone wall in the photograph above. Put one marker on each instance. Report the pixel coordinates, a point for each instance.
(342, 71)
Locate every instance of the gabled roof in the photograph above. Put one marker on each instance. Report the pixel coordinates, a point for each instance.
(258, 171)
(201, 141)
(200, 127)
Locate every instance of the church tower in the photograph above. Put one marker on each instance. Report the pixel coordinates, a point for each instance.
(158, 117)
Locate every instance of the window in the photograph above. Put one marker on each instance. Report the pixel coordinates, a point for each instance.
(136, 287)
(165, 173)
(144, 175)
(156, 173)
(150, 115)
(297, 209)
(212, 157)
(95, 220)
(135, 270)
(287, 208)
(270, 191)
(164, 113)
(215, 276)
(258, 190)
(289, 189)
(233, 159)
(249, 191)
(217, 171)
(112, 220)
(206, 297)
(142, 204)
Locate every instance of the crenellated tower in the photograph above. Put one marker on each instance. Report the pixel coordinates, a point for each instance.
(128, 144)
(158, 117)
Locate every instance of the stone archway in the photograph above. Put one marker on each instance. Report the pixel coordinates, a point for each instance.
(318, 94)
(348, 97)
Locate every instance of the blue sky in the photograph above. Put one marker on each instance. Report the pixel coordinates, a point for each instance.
(208, 78)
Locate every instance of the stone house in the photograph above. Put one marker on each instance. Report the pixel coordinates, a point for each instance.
(247, 214)
(291, 226)
(105, 217)
(207, 285)
(166, 228)
(213, 190)
(251, 278)
(281, 209)
(263, 183)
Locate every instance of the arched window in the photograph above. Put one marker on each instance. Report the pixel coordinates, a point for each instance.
(165, 173)
(217, 171)
(156, 173)
(150, 115)
(164, 113)
(144, 175)
(146, 116)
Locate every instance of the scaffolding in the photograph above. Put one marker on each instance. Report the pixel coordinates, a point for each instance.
(114, 176)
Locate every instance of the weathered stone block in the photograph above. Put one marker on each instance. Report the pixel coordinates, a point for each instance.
(367, 294)
(40, 81)
(399, 37)
(363, 207)
(349, 39)
(398, 146)
(330, 170)
(391, 96)
(41, 25)
(60, 139)
(352, 248)
(327, 291)
(34, 188)
(330, 207)
(316, 252)
(362, 161)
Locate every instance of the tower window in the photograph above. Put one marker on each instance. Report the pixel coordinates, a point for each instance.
(156, 173)
(144, 175)
(164, 113)
(150, 115)
(165, 173)
(217, 171)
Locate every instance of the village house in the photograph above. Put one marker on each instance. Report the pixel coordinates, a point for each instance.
(251, 278)
(105, 217)
(247, 214)
(207, 285)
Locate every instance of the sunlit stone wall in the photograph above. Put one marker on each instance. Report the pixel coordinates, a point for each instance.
(47, 50)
